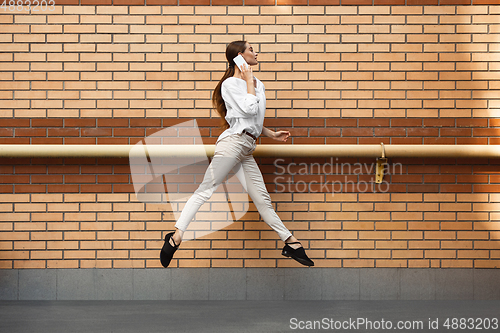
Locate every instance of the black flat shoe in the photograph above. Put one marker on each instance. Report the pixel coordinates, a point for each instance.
(297, 254)
(167, 251)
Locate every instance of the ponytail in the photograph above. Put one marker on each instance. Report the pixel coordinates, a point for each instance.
(218, 104)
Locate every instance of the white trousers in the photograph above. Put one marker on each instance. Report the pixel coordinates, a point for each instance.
(234, 152)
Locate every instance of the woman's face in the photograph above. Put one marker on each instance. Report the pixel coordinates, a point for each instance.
(250, 55)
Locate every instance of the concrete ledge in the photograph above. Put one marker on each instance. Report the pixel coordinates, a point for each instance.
(250, 284)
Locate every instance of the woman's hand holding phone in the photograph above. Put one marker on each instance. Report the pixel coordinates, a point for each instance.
(246, 73)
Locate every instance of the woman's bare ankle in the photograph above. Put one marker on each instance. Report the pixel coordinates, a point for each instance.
(177, 236)
(292, 239)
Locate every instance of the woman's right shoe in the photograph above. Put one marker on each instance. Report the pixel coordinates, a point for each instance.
(297, 254)
(167, 251)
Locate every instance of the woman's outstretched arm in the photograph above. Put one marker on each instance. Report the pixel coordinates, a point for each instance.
(279, 135)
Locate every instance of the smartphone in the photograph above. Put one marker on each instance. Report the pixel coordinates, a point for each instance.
(239, 61)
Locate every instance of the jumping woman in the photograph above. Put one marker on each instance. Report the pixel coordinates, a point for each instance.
(240, 100)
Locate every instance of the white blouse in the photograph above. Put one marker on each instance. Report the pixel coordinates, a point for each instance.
(244, 111)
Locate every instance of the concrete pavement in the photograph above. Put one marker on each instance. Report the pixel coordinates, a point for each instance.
(244, 316)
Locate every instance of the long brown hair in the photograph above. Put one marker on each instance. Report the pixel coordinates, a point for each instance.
(232, 51)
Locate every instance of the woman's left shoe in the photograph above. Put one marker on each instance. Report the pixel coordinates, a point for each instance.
(297, 254)
(167, 251)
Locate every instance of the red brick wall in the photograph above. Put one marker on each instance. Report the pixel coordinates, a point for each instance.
(333, 75)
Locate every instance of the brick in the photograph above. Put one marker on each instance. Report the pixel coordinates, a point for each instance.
(358, 244)
(486, 263)
(227, 263)
(391, 244)
(456, 225)
(488, 207)
(390, 225)
(413, 206)
(358, 225)
(431, 197)
(329, 244)
(407, 235)
(31, 264)
(442, 254)
(46, 236)
(357, 207)
(456, 244)
(79, 254)
(341, 254)
(30, 226)
(472, 216)
(31, 245)
(374, 235)
(61, 245)
(423, 225)
(391, 263)
(473, 254)
(46, 255)
(62, 264)
(374, 216)
(408, 254)
(407, 197)
(357, 263)
(424, 263)
(344, 234)
(457, 263)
